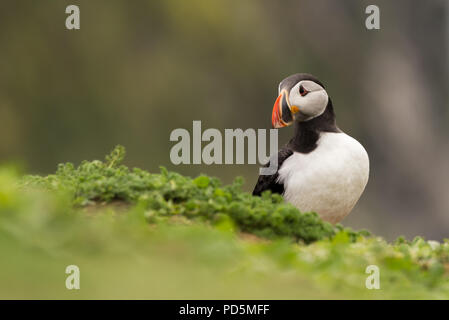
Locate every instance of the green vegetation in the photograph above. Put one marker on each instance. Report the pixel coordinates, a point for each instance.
(136, 234)
(168, 194)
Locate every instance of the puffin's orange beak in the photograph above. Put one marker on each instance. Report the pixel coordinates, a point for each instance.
(276, 120)
(282, 115)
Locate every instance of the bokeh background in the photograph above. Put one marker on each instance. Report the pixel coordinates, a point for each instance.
(136, 70)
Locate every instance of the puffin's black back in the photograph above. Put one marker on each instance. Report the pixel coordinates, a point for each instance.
(269, 182)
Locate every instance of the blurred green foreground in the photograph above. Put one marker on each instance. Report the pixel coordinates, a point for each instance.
(136, 235)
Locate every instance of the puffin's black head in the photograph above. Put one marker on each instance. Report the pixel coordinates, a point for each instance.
(302, 97)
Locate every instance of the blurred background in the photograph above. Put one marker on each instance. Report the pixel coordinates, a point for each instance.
(136, 70)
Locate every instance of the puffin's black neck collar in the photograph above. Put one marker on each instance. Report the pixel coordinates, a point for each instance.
(307, 133)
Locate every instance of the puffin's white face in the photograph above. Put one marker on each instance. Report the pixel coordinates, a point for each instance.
(310, 99)
(305, 100)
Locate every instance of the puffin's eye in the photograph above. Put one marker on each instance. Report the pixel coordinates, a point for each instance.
(302, 91)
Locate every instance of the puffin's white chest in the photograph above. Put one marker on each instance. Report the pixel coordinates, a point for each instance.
(330, 179)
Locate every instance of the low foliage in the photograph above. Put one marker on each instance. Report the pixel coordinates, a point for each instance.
(170, 194)
(140, 235)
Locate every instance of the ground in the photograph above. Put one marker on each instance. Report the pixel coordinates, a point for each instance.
(135, 234)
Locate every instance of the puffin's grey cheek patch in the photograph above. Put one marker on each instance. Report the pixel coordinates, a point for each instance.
(286, 113)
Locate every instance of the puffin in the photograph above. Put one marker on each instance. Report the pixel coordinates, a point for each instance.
(321, 169)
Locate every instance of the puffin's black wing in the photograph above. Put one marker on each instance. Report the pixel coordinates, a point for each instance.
(268, 182)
